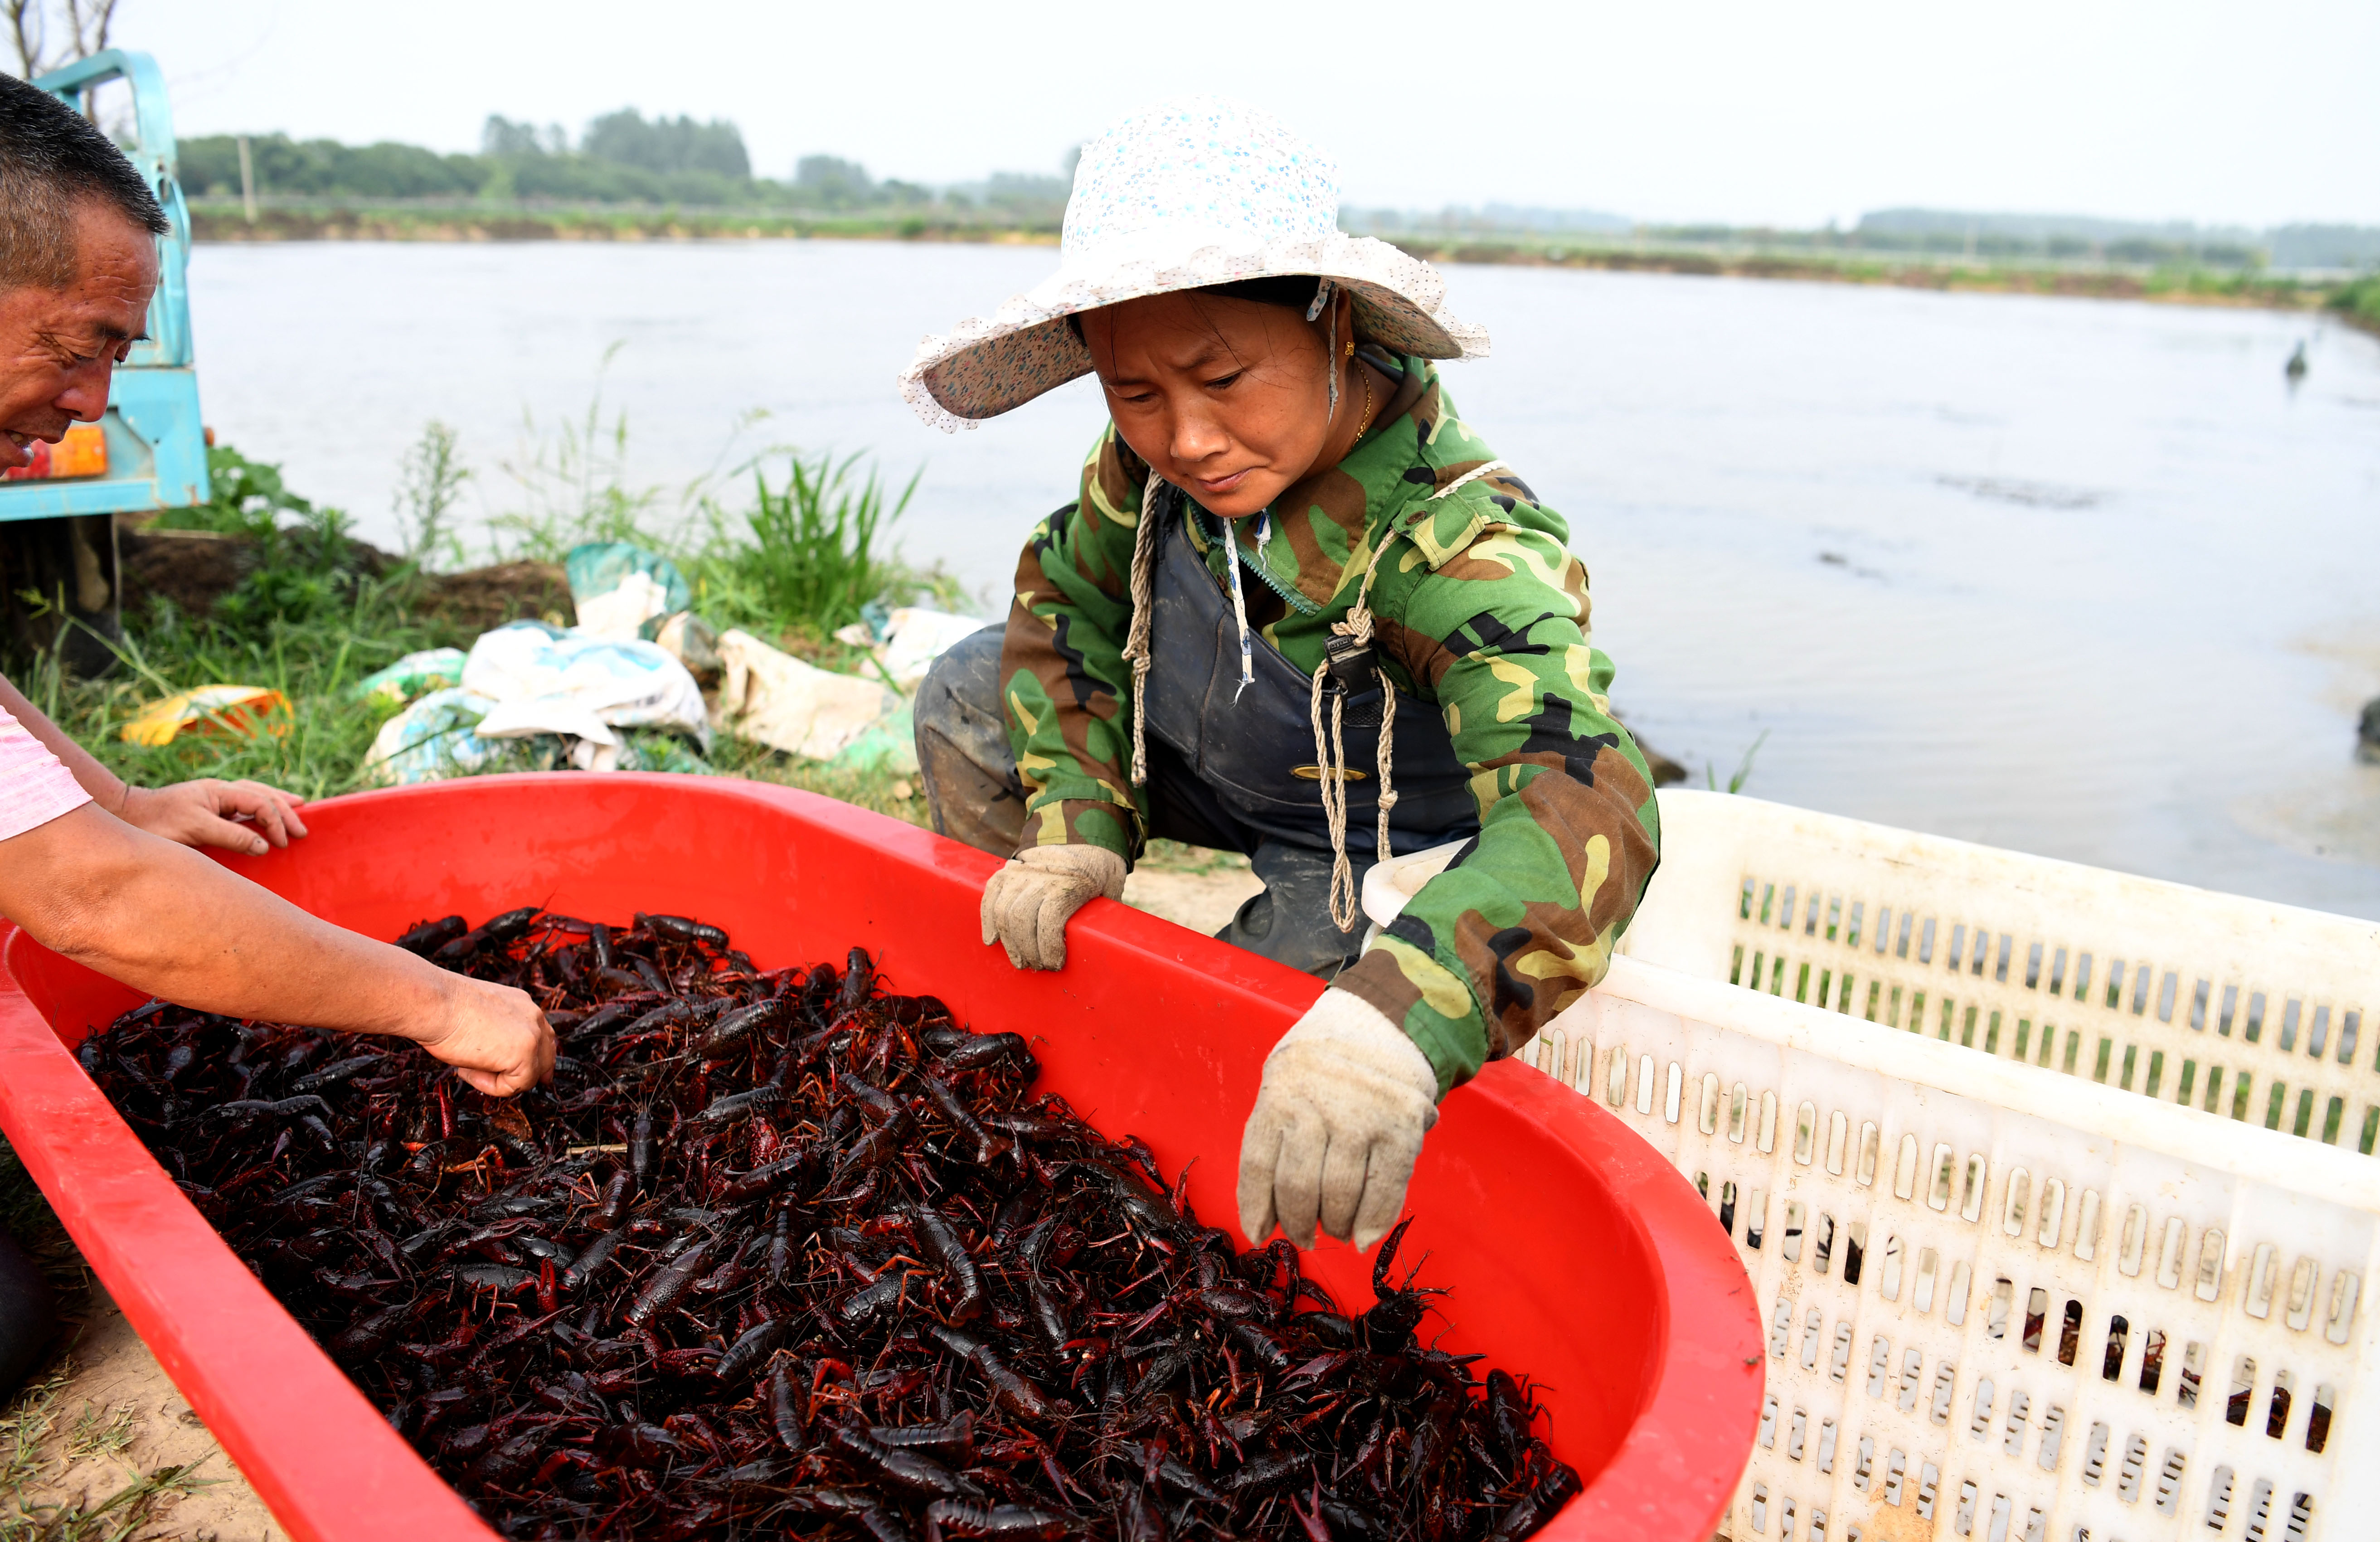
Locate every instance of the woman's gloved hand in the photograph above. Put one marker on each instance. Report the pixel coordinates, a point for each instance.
(1027, 904)
(1338, 1123)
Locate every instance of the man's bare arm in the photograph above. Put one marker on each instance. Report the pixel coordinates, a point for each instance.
(163, 919)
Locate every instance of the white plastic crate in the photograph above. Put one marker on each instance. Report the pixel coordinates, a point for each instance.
(2208, 1000)
(2005, 1303)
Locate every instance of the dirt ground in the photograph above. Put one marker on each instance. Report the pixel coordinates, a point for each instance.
(1190, 887)
(102, 1445)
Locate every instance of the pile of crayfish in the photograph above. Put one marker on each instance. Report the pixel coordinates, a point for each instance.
(776, 1248)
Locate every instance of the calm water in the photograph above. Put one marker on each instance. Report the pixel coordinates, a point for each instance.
(2075, 577)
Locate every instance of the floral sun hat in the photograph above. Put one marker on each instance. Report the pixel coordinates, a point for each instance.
(1177, 196)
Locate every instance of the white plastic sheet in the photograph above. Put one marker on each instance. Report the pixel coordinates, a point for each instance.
(771, 697)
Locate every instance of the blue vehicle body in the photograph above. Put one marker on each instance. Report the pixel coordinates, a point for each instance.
(156, 440)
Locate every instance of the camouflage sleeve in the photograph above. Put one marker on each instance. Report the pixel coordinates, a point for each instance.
(1526, 919)
(1063, 659)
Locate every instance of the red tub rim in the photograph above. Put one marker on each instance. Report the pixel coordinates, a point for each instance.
(268, 1391)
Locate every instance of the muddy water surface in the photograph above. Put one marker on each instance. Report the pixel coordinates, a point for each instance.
(2076, 578)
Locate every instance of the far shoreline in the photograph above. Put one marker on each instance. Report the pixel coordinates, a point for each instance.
(2236, 289)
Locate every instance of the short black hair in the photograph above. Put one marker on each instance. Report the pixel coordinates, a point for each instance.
(52, 159)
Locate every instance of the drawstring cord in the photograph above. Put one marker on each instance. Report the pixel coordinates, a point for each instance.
(1135, 647)
(1331, 749)
(1330, 740)
(1239, 611)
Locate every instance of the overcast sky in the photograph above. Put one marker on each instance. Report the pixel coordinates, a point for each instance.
(1723, 110)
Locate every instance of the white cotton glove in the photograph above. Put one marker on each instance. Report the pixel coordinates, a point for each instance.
(1338, 1123)
(1027, 904)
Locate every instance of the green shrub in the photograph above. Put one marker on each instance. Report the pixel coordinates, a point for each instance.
(2360, 301)
(306, 568)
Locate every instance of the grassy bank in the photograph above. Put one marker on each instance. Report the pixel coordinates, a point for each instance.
(789, 550)
(2359, 303)
(2084, 281)
(2218, 285)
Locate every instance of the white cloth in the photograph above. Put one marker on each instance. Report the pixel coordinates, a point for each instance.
(618, 613)
(771, 697)
(544, 680)
(1338, 1123)
(916, 636)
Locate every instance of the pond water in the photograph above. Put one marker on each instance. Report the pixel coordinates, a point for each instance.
(2076, 578)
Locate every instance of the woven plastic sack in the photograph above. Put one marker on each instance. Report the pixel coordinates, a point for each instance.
(543, 680)
(617, 587)
(432, 669)
(771, 697)
(910, 638)
(432, 740)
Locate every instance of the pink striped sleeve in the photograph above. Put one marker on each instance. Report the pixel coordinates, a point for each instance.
(34, 787)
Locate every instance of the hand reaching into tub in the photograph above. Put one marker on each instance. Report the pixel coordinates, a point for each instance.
(494, 1036)
(166, 920)
(239, 816)
(205, 811)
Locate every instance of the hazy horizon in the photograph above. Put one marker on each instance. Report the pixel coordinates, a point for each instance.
(2216, 115)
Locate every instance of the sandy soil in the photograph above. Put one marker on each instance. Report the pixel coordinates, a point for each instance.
(1201, 901)
(116, 1421)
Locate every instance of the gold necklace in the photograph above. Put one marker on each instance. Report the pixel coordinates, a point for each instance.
(1364, 425)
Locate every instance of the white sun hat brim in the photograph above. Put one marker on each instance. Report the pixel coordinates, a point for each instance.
(1181, 197)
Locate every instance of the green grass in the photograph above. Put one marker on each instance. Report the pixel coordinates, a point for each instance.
(812, 548)
(790, 555)
(2360, 302)
(312, 658)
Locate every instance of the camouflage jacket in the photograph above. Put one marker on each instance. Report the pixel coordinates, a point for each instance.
(1485, 614)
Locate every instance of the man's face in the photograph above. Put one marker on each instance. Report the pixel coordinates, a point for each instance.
(58, 347)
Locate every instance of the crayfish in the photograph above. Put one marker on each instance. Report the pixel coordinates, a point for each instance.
(780, 1251)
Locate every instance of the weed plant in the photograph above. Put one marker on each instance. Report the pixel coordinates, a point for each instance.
(575, 488)
(306, 562)
(1742, 771)
(429, 484)
(811, 550)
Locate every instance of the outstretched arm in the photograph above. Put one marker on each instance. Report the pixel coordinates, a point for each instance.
(1525, 921)
(163, 919)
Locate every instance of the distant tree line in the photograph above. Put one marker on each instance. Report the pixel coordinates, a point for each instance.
(623, 157)
(827, 182)
(1928, 232)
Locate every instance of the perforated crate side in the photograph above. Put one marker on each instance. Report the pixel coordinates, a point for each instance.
(2004, 1303)
(2257, 1011)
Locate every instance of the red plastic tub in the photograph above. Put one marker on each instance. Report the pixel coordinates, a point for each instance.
(1574, 1252)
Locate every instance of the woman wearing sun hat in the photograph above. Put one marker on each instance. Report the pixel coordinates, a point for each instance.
(1300, 610)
